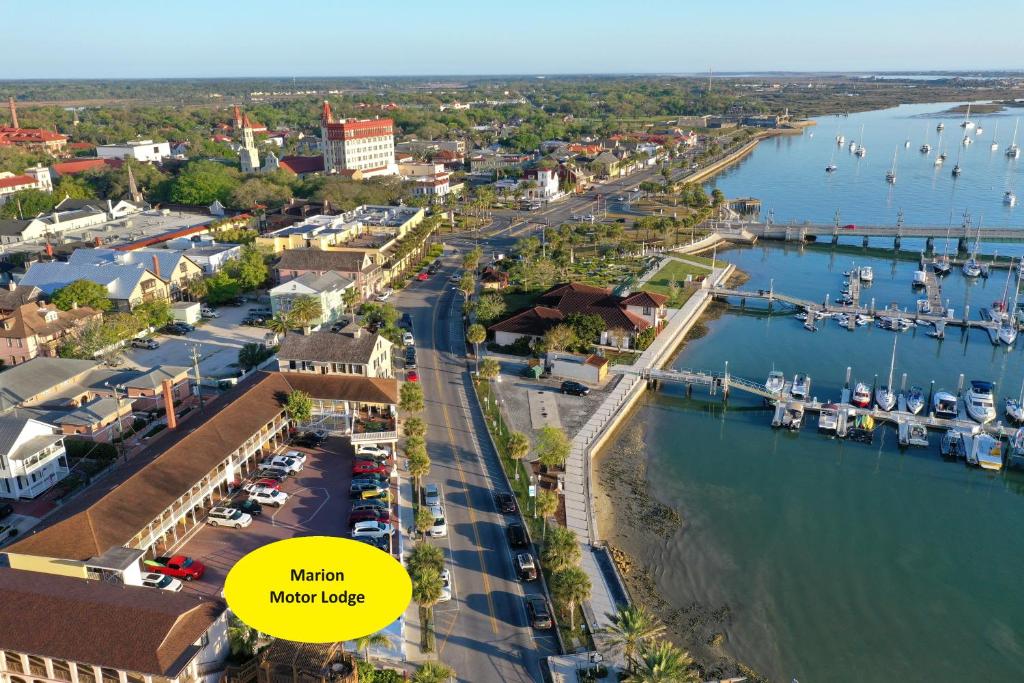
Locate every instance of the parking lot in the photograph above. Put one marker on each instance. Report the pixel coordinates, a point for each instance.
(318, 504)
(219, 340)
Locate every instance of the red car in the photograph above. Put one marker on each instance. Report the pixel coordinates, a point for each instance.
(178, 566)
(849, 226)
(364, 467)
(412, 376)
(423, 276)
(269, 483)
(369, 516)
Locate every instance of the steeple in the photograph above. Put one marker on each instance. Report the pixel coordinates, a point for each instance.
(237, 120)
(249, 157)
(133, 189)
(326, 116)
(14, 112)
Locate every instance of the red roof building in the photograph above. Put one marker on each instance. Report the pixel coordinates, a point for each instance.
(33, 137)
(82, 165)
(302, 166)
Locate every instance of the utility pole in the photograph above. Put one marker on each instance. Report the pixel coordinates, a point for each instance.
(195, 367)
(117, 416)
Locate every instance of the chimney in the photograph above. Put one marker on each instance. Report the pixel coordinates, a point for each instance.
(156, 266)
(14, 112)
(12, 285)
(49, 249)
(172, 420)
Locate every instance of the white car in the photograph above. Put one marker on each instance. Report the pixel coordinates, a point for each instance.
(290, 464)
(297, 455)
(372, 529)
(431, 495)
(408, 339)
(162, 581)
(446, 586)
(269, 497)
(385, 295)
(228, 517)
(208, 313)
(440, 527)
(253, 487)
(372, 452)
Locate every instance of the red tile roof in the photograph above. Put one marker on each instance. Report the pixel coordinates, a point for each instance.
(535, 321)
(29, 135)
(17, 181)
(300, 165)
(645, 299)
(82, 165)
(563, 300)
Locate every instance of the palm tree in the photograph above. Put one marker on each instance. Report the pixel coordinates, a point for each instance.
(378, 639)
(547, 504)
(415, 426)
(242, 638)
(433, 672)
(562, 550)
(570, 586)
(417, 459)
(663, 662)
(475, 335)
(490, 368)
(306, 310)
(633, 627)
(517, 445)
(280, 323)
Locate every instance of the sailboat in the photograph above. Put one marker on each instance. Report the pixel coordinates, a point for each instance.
(967, 123)
(1013, 151)
(995, 145)
(971, 267)
(832, 163)
(941, 157)
(885, 397)
(926, 148)
(956, 167)
(890, 175)
(968, 140)
(1010, 198)
(940, 126)
(1015, 407)
(861, 149)
(1008, 323)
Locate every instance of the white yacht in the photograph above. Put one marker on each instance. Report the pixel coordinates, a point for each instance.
(915, 400)
(861, 395)
(794, 415)
(840, 139)
(980, 402)
(1014, 411)
(1013, 151)
(828, 418)
(944, 405)
(940, 127)
(801, 385)
(971, 268)
(987, 452)
(830, 168)
(917, 435)
(920, 278)
(853, 145)
(866, 274)
(979, 130)
(776, 381)
(863, 319)
(1008, 333)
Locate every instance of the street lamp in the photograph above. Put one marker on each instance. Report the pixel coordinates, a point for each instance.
(117, 417)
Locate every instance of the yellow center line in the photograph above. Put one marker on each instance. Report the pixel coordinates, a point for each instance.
(465, 486)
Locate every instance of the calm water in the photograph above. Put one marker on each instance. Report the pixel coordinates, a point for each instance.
(840, 561)
(788, 172)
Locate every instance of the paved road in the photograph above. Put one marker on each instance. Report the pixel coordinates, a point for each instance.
(483, 632)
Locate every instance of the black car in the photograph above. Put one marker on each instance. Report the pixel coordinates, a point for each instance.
(276, 473)
(247, 506)
(540, 615)
(237, 301)
(175, 329)
(406, 322)
(410, 358)
(575, 388)
(517, 535)
(310, 439)
(506, 502)
(254, 321)
(380, 543)
(6, 510)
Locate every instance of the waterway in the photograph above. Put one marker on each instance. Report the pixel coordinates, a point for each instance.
(822, 559)
(787, 173)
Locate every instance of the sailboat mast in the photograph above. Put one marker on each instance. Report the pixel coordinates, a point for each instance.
(892, 363)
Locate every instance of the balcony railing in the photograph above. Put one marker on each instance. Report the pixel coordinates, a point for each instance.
(374, 437)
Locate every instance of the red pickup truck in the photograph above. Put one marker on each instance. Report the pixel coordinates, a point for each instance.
(178, 566)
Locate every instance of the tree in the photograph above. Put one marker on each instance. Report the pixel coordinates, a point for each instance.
(378, 639)
(673, 291)
(306, 310)
(490, 307)
(570, 586)
(379, 314)
(717, 197)
(517, 445)
(467, 283)
(350, 297)
(221, 287)
(251, 355)
(471, 259)
(415, 426)
(561, 550)
(203, 182)
(552, 446)
(547, 505)
(155, 313)
(27, 204)
(299, 407)
(645, 338)
(418, 459)
(424, 555)
(631, 628)
(256, 193)
(618, 337)
(433, 672)
(242, 638)
(410, 397)
(586, 326)
(427, 586)
(490, 368)
(558, 338)
(249, 269)
(663, 662)
(475, 335)
(82, 293)
(424, 519)
(280, 323)
(89, 340)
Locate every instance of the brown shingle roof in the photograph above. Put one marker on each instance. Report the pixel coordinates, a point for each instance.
(329, 347)
(563, 300)
(641, 298)
(131, 628)
(535, 321)
(322, 261)
(115, 509)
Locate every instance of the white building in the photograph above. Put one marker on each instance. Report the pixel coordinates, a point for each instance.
(32, 457)
(364, 145)
(34, 178)
(139, 150)
(432, 180)
(546, 180)
(328, 289)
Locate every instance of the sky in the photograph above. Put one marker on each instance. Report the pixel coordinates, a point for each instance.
(226, 38)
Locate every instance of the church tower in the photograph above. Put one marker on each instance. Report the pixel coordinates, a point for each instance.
(250, 158)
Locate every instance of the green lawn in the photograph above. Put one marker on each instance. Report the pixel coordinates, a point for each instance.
(679, 271)
(516, 300)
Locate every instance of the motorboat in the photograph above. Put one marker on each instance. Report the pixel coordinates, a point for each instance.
(1010, 198)
(863, 319)
(1014, 411)
(861, 395)
(940, 127)
(915, 400)
(916, 435)
(987, 452)
(810, 326)
(776, 382)
(1018, 442)
(802, 315)
(953, 445)
(980, 402)
(920, 278)
(793, 418)
(828, 417)
(971, 268)
(924, 307)
(801, 385)
(866, 274)
(944, 405)
(925, 148)
(830, 168)
(842, 319)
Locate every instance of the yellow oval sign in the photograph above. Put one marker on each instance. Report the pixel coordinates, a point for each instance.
(318, 589)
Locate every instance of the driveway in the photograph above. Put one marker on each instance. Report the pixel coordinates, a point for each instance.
(218, 341)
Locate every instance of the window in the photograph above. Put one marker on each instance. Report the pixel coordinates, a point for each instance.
(86, 674)
(14, 662)
(61, 670)
(110, 675)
